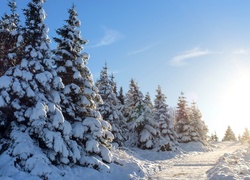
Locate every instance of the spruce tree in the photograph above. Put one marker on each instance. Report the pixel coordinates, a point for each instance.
(81, 97)
(229, 135)
(199, 125)
(214, 137)
(110, 108)
(168, 137)
(246, 136)
(139, 119)
(183, 124)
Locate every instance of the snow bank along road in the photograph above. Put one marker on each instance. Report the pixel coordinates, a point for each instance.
(193, 165)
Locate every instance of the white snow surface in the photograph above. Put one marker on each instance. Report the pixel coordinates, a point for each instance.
(232, 165)
(223, 160)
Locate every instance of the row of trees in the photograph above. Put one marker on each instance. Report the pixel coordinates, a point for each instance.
(52, 113)
(230, 136)
(136, 121)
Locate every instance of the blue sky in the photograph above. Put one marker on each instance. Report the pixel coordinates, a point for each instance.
(200, 47)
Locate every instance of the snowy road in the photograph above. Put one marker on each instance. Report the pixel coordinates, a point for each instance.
(194, 165)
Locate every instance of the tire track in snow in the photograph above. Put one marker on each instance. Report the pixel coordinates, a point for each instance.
(194, 165)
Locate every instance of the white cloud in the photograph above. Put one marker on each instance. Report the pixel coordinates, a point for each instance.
(142, 49)
(180, 60)
(110, 37)
(240, 51)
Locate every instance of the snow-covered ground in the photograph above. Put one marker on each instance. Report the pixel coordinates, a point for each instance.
(232, 166)
(194, 164)
(226, 160)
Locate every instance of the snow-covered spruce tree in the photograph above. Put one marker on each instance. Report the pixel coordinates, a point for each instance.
(197, 122)
(184, 126)
(110, 109)
(229, 135)
(9, 35)
(168, 137)
(214, 137)
(245, 136)
(142, 128)
(29, 94)
(89, 130)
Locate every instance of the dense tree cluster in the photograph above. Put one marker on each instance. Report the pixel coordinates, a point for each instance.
(45, 120)
(52, 113)
(189, 124)
(148, 125)
(230, 136)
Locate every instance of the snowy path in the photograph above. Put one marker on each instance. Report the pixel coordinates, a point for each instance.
(194, 165)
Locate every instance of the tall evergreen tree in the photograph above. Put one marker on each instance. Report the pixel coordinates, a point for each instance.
(168, 137)
(246, 136)
(36, 127)
(183, 124)
(200, 127)
(139, 119)
(110, 108)
(229, 135)
(79, 103)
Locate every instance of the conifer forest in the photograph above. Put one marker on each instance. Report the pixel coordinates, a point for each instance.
(53, 114)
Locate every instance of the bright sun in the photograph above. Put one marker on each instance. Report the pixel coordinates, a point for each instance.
(235, 103)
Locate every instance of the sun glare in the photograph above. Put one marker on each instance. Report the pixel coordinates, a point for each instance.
(235, 104)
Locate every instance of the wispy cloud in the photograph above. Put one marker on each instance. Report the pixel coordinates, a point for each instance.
(110, 37)
(181, 59)
(142, 49)
(241, 51)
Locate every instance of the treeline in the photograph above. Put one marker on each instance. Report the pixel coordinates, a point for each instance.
(50, 105)
(138, 122)
(230, 136)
